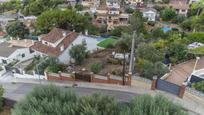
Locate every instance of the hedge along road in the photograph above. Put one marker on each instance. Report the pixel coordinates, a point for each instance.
(19, 90)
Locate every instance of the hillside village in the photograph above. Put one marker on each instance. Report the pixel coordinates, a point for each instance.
(114, 42)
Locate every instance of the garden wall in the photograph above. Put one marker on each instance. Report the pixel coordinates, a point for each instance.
(109, 79)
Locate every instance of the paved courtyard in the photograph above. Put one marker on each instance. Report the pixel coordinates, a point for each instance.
(182, 71)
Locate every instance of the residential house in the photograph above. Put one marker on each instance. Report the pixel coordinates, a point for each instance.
(16, 50)
(181, 6)
(150, 14)
(110, 15)
(58, 42)
(135, 3)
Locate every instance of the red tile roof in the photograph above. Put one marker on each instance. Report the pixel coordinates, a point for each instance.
(55, 51)
(54, 35)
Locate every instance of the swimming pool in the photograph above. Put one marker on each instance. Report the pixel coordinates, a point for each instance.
(166, 29)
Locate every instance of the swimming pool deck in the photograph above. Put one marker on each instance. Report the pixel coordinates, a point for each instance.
(182, 71)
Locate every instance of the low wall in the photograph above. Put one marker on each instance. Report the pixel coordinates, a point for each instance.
(109, 79)
(28, 76)
(59, 76)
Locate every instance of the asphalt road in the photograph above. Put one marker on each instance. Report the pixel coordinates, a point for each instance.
(19, 91)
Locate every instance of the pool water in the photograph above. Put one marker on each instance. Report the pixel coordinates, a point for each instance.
(166, 29)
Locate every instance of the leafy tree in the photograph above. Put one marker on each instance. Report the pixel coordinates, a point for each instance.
(150, 69)
(96, 67)
(137, 22)
(118, 31)
(66, 19)
(187, 25)
(78, 53)
(158, 33)
(79, 7)
(36, 7)
(168, 14)
(129, 10)
(177, 51)
(17, 29)
(179, 19)
(148, 52)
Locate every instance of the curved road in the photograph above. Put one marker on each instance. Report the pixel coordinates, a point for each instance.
(19, 91)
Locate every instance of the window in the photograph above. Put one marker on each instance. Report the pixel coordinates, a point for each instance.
(183, 10)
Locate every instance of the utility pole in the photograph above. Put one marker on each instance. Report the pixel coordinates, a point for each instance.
(124, 67)
(131, 66)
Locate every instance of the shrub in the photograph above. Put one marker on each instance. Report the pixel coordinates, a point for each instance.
(148, 105)
(56, 68)
(96, 67)
(199, 86)
(51, 100)
(149, 69)
(196, 37)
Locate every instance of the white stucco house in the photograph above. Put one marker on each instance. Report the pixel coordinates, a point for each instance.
(58, 42)
(150, 14)
(15, 50)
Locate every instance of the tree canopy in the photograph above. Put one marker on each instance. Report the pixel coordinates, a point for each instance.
(36, 7)
(78, 53)
(17, 30)
(168, 14)
(65, 19)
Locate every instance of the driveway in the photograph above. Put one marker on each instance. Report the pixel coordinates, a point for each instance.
(182, 71)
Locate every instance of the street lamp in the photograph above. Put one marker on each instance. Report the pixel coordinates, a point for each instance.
(197, 58)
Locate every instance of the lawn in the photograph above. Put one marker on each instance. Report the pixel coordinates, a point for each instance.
(198, 50)
(107, 42)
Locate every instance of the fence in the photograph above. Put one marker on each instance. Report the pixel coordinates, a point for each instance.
(89, 77)
(168, 87)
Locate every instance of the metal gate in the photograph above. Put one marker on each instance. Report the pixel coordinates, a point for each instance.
(168, 87)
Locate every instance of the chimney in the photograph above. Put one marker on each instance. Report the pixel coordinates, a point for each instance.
(64, 34)
(39, 38)
(62, 48)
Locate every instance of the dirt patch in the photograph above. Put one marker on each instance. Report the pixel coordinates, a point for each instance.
(103, 57)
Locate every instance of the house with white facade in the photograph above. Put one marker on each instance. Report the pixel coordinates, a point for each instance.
(150, 14)
(16, 50)
(58, 42)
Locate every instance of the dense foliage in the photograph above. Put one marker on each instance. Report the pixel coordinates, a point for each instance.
(51, 100)
(36, 7)
(96, 67)
(78, 53)
(199, 86)
(17, 30)
(168, 14)
(66, 19)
